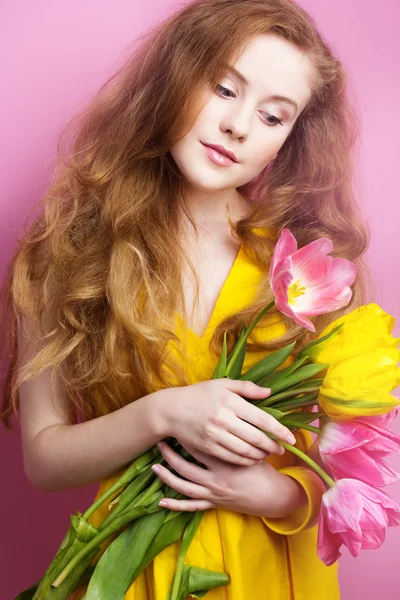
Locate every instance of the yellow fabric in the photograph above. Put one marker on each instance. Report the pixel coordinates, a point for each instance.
(271, 559)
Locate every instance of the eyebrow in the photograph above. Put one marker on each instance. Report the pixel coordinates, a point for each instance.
(243, 79)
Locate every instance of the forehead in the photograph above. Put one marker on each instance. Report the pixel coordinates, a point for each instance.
(274, 66)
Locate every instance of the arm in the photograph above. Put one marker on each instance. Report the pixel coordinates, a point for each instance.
(289, 494)
(59, 453)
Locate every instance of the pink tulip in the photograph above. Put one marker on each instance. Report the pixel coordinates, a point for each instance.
(307, 282)
(356, 515)
(354, 448)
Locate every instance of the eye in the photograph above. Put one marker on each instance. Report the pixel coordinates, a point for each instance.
(276, 120)
(223, 89)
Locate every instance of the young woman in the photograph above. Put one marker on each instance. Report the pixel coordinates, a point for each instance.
(229, 123)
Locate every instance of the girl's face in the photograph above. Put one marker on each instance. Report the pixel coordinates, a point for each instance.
(250, 118)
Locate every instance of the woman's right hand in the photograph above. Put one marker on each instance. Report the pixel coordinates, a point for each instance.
(214, 417)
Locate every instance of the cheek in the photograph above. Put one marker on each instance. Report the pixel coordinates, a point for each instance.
(266, 146)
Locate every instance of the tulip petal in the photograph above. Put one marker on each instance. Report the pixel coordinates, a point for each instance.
(342, 436)
(328, 543)
(355, 514)
(384, 501)
(373, 539)
(360, 465)
(311, 260)
(344, 506)
(329, 289)
(285, 246)
(379, 422)
(301, 320)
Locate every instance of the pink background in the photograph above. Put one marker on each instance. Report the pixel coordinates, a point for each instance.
(58, 54)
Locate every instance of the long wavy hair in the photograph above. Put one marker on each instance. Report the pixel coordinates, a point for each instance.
(99, 270)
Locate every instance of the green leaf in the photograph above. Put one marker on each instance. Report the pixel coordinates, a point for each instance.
(204, 579)
(268, 364)
(236, 358)
(300, 418)
(122, 519)
(197, 582)
(310, 382)
(292, 394)
(303, 373)
(281, 374)
(169, 533)
(325, 338)
(298, 402)
(113, 573)
(220, 369)
(79, 534)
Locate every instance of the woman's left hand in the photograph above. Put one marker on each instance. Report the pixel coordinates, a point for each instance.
(256, 489)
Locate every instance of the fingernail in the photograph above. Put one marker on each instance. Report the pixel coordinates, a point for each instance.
(291, 439)
(163, 503)
(156, 468)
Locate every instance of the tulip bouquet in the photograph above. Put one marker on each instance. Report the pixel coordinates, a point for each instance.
(348, 373)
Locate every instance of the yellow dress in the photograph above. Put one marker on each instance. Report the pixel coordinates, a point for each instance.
(266, 559)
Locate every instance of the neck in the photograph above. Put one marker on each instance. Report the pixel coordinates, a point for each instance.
(216, 207)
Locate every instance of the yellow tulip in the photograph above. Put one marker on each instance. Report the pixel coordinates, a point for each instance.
(360, 385)
(363, 358)
(365, 328)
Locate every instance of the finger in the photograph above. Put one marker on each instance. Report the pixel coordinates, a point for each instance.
(259, 444)
(223, 453)
(185, 505)
(218, 452)
(187, 488)
(206, 459)
(236, 444)
(183, 467)
(255, 416)
(246, 389)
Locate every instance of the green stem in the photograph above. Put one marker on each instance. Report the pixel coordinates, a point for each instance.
(304, 426)
(178, 576)
(294, 392)
(136, 467)
(248, 331)
(285, 405)
(309, 461)
(188, 536)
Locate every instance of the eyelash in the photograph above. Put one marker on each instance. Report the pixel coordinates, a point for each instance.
(221, 87)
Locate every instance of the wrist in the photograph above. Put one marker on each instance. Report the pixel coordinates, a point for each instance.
(160, 406)
(296, 496)
(288, 497)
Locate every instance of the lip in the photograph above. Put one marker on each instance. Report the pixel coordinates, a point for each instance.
(222, 150)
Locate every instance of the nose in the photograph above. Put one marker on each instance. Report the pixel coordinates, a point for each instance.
(236, 123)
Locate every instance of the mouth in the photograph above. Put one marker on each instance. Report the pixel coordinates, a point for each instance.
(222, 151)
